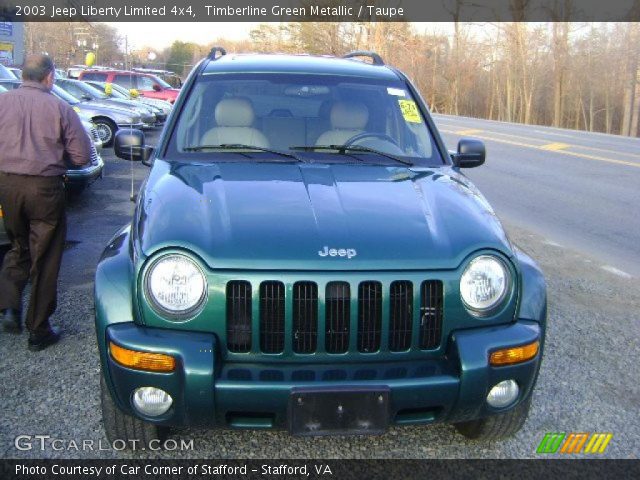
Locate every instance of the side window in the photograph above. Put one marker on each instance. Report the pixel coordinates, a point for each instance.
(126, 81)
(100, 77)
(145, 83)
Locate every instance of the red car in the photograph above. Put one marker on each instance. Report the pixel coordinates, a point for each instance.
(147, 84)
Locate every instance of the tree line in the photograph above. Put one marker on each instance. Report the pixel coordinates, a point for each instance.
(582, 76)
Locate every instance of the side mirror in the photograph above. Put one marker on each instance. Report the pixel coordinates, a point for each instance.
(157, 87)
(129, 145)
(87, 97)
(470, 154)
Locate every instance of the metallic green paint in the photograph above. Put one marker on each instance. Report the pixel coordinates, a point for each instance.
(269, 216)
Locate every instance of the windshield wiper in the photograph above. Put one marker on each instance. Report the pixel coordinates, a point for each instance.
(343, 149)
(240, 146)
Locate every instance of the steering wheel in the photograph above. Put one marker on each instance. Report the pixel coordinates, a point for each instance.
(381, 136)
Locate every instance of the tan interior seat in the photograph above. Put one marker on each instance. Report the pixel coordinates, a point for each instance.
(234, 119)
(347, 119)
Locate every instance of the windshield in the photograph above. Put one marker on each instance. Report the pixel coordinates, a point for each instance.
(308, 114)
(63, 95)
(121, 91)
(115, 92)
(80, 89)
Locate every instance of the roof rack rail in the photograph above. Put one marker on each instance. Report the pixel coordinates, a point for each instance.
(377, 59)
(214, 50)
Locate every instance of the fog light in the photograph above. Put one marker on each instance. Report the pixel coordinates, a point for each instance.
(151, 401)
(503, 394)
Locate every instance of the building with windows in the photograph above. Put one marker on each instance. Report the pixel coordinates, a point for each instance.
(11, 43)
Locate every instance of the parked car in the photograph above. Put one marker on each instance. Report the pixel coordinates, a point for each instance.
(106, 118)
(160, 108)
(78, 178)
(86, 92)
(168, 76)
(306, 254)
(147, 84)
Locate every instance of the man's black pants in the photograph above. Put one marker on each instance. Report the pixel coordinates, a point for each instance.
(36, 224)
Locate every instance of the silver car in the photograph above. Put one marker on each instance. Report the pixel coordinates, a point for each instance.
(161, 108)
(106, 118)
(88, 93)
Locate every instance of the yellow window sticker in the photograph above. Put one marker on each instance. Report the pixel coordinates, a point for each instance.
(410, 111)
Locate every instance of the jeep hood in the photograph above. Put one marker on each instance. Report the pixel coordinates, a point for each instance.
(281, 216)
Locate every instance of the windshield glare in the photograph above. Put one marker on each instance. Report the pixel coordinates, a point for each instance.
(295, 111)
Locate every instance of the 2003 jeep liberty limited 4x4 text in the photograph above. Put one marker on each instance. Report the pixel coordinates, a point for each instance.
(306, 254)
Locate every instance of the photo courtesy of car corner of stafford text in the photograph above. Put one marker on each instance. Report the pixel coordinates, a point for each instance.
(327, 239)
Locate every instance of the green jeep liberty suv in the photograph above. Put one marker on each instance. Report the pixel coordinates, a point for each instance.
(306, 254)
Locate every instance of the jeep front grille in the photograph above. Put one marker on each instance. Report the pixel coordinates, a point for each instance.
(383, 318)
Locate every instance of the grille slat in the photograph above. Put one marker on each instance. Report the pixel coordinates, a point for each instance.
(239, 316)
(272, 307)
(337, 317)
(430, 314)
(369, 316)
(305, 317)
(401, 315)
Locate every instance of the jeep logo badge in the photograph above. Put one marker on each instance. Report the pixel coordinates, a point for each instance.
(338, 252)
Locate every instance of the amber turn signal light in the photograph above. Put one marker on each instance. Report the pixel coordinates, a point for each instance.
(153, 362)
(509, 356)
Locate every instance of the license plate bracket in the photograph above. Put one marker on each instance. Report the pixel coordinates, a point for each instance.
(344, 411)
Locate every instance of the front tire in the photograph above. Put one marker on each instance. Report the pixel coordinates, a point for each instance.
(123, 427)
(106, 130)
(496, 427)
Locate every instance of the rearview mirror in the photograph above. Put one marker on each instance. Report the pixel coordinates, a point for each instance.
(129, 144)
(471, 153)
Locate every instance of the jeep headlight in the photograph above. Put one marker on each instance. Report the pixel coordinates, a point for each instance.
(176, 286)
(484, 284)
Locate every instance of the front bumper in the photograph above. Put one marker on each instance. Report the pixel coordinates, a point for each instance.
(208, 392)
(83, 177)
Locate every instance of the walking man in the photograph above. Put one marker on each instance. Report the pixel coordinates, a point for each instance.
(40, 136)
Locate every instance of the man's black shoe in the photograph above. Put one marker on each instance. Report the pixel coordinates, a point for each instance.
(12, 321)
(40, 342)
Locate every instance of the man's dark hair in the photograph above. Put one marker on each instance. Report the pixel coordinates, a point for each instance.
(37, 67)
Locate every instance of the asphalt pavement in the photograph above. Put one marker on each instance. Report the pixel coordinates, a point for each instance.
(578, 189)
(588, 381)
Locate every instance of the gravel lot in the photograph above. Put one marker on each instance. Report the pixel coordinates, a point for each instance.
(587, 382)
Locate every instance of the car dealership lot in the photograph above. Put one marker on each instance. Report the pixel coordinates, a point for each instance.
(587, 384)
